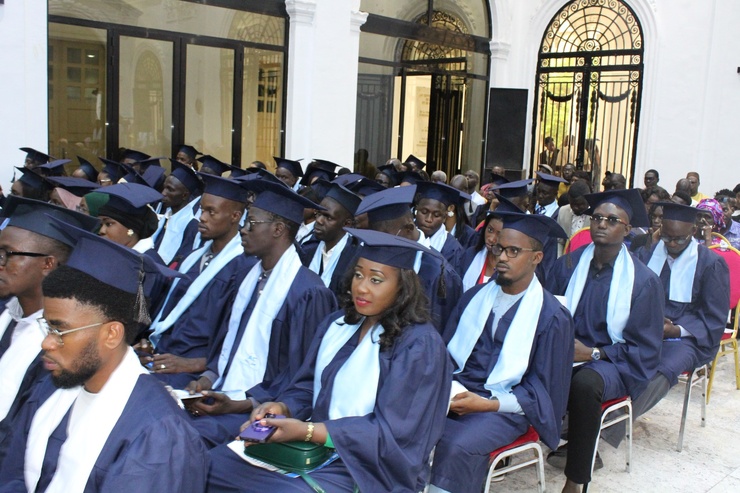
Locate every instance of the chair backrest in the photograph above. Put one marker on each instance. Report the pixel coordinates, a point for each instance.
(578, 239)
(732, 258)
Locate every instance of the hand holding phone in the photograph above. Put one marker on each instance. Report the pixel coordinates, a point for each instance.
(258, 433)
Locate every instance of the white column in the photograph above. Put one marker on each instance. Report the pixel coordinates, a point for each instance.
(322, 79)
(23, 83)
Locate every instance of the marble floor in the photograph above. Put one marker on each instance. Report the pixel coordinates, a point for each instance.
(709, 462)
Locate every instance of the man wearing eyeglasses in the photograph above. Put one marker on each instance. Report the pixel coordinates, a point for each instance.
(618, 325)
(29, 250)
(263, 338)
(512, 343)
(697, 286)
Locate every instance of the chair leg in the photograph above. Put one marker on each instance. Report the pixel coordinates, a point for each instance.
(711, 374)
(704, 397)
(687, 397)
(628, 450)
(737, 364)
(540, 470)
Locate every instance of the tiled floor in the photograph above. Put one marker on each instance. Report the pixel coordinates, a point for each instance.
(710, 461)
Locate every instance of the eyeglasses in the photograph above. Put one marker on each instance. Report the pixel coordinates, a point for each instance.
(511, 251)
(57, 334)
(6, 254)
(678, 240)
(250, 224)
(610, 220)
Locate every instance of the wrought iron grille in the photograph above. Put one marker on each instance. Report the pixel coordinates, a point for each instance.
(589, 85)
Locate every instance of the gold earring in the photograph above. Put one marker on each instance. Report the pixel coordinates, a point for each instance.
(130, 232)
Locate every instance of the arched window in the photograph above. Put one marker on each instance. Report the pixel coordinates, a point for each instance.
(589, 84)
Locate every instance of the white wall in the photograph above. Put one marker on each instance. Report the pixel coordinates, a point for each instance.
(23, 83)
(691, 95)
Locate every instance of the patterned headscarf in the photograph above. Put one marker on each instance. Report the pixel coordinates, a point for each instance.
(714, 208)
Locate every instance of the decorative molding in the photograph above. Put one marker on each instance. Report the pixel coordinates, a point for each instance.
(356, 20)
(301, 11)
(500, 49)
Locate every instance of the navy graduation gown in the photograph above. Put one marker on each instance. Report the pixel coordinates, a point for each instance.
(452, 251)
(630, 364)
(152, 448)
(705, 317)
(467, 236)
(461, 456)
(430, 272)
(194, 333)
(386, 450)
(347, 259)
(307, 304)
(34, 374)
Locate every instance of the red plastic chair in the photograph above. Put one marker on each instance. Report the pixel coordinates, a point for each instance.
(578, 239)
(528, 441)
(728, 344)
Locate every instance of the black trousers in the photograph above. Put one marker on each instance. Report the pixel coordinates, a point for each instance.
(584, 416)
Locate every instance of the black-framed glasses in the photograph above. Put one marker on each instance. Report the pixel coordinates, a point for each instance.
(610, 220)
(6, 254)
(57, 334)
(678, 240)
(250, 224)
(511, 251)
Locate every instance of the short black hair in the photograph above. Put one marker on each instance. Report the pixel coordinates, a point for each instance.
(657, 175)
(291, 226)
(113, 303)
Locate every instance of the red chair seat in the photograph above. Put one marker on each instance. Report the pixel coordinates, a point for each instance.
(726, 336)
(530, 436)
(612, 402)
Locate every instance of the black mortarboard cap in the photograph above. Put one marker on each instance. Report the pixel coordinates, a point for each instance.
(147, 163)
(210, 162)
(387, 249)
(34, 180)
(36, 156)
(130, 198)
(389, 204)
(320, 188)
(135, 155)
(321, 168)
(415, 161)
(345, 197)
(53, 168)
(390, 171)
(87, 167)
(75, 186)
(294, 167)
(630, 201)
(498, 179)
(153, 177)
(115, 170)
(32, 215)
(411, 177)
(187, 176)
(513, 189)
(258, 182)
(440, 192)
(505, 205)
(553, 180)
(359, 184)
(283, 201)
(678, 212)
(224, 187)
(537, 226)
(264, 175)
(236, 171)
(189, 150)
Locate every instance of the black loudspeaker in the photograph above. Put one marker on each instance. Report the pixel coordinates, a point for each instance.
(507, 119)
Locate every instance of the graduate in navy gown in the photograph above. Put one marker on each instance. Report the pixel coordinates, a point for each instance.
(513, 345)
(99, 423)
(433, 203)
(696, 282)
(185, 329)
(375, 385)
(175, 238)
(28, 231)
(389, 212)
(618, 337)
(332, 249)
(272, 320)
(289, 172)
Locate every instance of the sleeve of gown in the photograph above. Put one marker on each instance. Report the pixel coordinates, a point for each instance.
(707, 321)
(388, 449)
(168, 456)
(543, 391)
(638, 356)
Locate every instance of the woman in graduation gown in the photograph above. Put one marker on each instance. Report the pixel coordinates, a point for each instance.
(375, 386)
(478, 263)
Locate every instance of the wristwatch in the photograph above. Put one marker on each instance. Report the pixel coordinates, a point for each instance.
(596, 354)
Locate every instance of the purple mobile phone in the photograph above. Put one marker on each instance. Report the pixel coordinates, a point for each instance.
(257, 433)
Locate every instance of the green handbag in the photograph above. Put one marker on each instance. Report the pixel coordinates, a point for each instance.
(295, 457)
